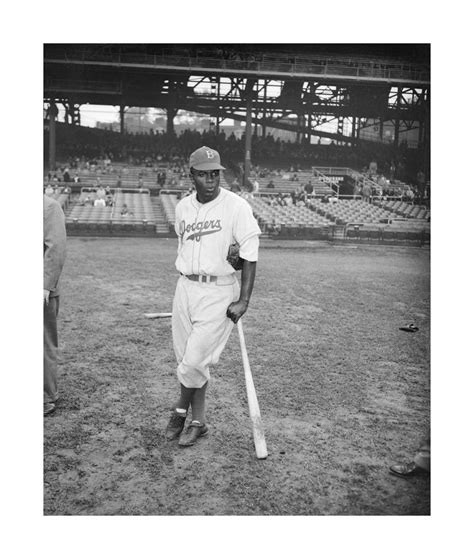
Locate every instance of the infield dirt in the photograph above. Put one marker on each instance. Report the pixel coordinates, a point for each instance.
(343, 392)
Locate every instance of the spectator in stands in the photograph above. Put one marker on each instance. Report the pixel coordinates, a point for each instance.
(67, 190)
(392, 170)
(256, 186)
(308, 187)
(421, 182)
(99, 202)
(372, 168)
(88, 201)
(76, 178)
(101, 193)
(270, 184)
(294, 177)
(280, 199)
(49, 191)
(119, 182)
(66, 176)
(125, 211)
(366, 192)
(332, 198)
(409, 195)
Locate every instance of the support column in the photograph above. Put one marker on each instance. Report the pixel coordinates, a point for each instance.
(340, 128)
(397, 120)
(427, 138)
(171, 112)
(248, 129)
(122, 119)
(354, 129)
(396, 134)
(381, 130)
(420, 134)
(53, 113)
(218, 128)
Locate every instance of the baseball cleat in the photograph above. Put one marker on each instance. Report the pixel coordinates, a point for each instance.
(175, 426)
(194, 430)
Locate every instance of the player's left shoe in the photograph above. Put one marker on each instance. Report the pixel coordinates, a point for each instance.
(193, 431)
(48, 408)
(407, 470)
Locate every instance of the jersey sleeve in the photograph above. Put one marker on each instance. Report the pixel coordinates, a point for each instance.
(177, 220)
(245, 225)
(249, 249)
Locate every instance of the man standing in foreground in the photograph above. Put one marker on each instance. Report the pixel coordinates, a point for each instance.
(207, 300)
(54, 256)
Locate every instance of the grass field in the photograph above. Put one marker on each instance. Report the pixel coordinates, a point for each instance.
(343, 392)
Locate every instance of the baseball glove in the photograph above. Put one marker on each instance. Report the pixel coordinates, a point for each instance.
(234, 258)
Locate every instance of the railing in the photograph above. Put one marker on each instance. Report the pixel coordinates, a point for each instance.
(338, 171)
(328, 66)
(327, 180)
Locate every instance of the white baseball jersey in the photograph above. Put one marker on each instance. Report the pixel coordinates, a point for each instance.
(205, 232)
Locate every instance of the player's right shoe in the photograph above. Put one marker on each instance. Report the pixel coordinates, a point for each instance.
(175, 426)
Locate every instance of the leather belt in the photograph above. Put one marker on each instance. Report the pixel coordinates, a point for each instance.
(202, 279)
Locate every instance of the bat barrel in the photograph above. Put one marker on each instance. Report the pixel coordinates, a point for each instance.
(254, 409)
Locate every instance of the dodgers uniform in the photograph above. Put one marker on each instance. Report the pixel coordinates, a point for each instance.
(208, 284)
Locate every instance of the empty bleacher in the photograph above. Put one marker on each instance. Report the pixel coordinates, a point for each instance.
(86, 217)
(284, 184)
(349, 217)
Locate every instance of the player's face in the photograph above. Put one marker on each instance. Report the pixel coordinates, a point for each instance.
(207, 184)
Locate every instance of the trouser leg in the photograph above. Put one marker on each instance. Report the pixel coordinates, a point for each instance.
(198, 404)
(423, 456)
(50, 350)
(200, 328)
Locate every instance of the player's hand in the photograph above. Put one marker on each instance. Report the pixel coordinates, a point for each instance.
(45, 296)
(236, 310)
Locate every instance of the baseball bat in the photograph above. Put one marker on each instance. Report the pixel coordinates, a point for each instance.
(257, 425)
(157, 314)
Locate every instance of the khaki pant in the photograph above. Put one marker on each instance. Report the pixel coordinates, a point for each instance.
(50, 350)
(423, 456)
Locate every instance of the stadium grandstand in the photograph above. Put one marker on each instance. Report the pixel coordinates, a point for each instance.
(335, 142)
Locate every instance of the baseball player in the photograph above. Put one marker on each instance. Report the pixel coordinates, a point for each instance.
(208, 299)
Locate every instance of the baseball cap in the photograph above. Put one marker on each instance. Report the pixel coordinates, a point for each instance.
(205, 159)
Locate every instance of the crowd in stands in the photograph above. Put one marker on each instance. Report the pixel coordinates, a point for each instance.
(85, 146)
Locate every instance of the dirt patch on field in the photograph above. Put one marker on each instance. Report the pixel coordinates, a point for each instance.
(343, 392)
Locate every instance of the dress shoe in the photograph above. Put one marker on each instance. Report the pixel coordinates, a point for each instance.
(407, 470)
(49, 407)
